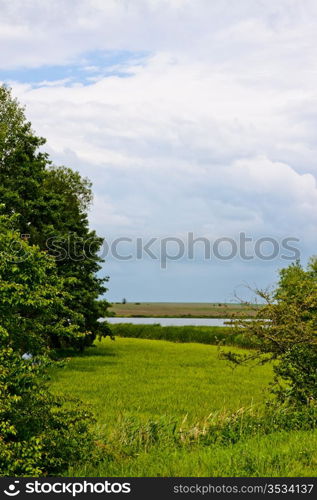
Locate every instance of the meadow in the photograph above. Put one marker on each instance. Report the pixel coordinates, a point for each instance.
(183, 310)
(154, 398)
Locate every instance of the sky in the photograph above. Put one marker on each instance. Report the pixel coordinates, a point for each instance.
(192, 118)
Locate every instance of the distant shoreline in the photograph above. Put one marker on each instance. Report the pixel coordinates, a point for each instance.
(183, 310)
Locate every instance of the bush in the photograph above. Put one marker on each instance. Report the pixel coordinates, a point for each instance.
(287, 332)
(40, 434)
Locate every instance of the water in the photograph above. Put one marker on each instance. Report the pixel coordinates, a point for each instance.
(170, 321)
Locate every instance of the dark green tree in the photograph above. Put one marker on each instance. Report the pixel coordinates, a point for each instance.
(67, 236)
(22, 164)
(52, 203)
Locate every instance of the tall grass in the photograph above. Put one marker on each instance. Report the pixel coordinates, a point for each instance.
(279, 454)
(212, 335)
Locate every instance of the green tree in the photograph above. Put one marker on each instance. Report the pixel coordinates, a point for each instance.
(22, 164)
(285, 331)
(40, 433)
(33, 300)
(52, 203)
(67, 236)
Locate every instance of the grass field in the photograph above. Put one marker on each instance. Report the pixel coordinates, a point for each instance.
(182, 310)
(141, 390)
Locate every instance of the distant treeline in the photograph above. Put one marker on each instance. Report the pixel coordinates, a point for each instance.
(184, 310)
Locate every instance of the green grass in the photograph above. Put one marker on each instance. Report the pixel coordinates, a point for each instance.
(154, 378)
(201, 334)
(142, 390)
(280, 454)
(183, 310)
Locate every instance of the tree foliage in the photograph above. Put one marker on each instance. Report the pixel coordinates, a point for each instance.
(45, 301)
(40, 434)
(33, 300)
(65, 233)
(285, 331)
(52, 203)
(22, 164)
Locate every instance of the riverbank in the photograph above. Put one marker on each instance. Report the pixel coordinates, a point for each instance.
(212, 335)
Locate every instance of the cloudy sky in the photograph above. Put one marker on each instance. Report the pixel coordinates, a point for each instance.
(189, 116)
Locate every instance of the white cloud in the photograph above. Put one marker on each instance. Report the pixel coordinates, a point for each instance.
(214, 132)
(199, 127)
(58, 32)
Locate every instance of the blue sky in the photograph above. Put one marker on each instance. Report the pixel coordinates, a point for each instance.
(188, 116)
(89, 67)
